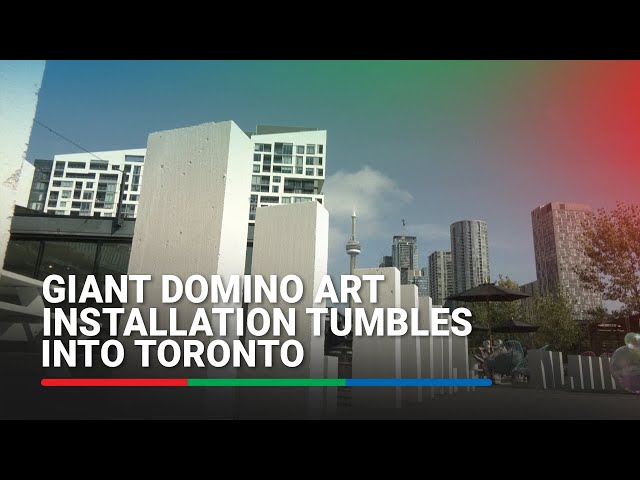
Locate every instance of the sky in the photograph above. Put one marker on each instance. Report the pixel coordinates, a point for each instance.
(431, 142)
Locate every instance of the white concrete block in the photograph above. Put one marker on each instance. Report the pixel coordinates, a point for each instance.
(192, 220)
(330, 393)
(426, 346)
(378, 357)
(290, 239)
(410, 348)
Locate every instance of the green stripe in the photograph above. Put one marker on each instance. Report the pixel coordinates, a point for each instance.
(266, 382)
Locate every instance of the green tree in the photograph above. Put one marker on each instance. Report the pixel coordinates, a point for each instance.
(611, 244)
(557, 326)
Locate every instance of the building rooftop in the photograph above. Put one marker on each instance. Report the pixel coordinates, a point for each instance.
(271, 129)
(580, 207)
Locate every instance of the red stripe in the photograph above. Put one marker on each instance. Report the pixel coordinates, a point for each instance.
(114, 382)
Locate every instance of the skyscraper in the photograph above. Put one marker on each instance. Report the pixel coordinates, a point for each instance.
(557, 229)
(440, 276)
(423, 282)
(469, 254)
(386, 261)
(404, 253)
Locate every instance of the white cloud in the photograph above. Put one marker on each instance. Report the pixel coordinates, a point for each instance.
(372, 194)
(369, 191)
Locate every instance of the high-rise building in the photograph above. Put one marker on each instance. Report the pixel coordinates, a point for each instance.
(404, 253)
(421, 279)
(440, 276)
(288, 167)
(40, 185)
(557, 230)
(88, 185)
(469, 254)
(386, 261)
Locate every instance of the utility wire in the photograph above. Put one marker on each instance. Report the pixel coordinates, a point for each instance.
(65, 138)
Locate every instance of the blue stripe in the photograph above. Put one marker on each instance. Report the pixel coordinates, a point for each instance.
(418, 382)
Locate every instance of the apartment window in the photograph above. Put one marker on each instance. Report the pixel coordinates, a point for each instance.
(115, 167)
(311, 149)
(266, 199)
(299, 161)
(133, 198)
(298, 170)
(127, 168)
(77, 165)
(81, 175)
(310, 160)
(256, 169)
(87, 196)
(53, 194)
(63, 204)
(134, 158)
(267, 159)
(75, 204)
(283, 148)
(40, 186)
(276, 179)
(52, 203)
(266, 168)
(263, 147)
(89, 185)
(320, 161)
(257, 157)
(136, 170)
(309, 172)
(320, 171)
(66, 184)
(320, 149)
(286, 199)
(66, 194)
(274, 189)
(77, 194)
(300, 149)
(135, 187)
(286, 169)
(57, 184)
(98, 165)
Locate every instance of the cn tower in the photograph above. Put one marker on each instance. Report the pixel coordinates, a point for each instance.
(353, 245)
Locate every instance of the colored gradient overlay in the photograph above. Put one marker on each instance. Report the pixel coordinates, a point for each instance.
(265, 382)
(487, 140)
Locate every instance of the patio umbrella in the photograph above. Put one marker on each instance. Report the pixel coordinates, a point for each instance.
(488, 292)
(512, 326)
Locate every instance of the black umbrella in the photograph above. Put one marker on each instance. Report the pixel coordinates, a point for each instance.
(512, 326)
(488, 292)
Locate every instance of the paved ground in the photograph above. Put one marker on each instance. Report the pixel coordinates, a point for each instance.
(506, 402)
